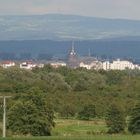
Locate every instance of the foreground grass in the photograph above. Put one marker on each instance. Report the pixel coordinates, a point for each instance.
(104, 137)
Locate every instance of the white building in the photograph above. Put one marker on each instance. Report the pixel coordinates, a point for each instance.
(87, 66)
(121, 65)
(58, 64)
(27, 65)
(118, 65)
(7, 64)
(40, 65)
(90, 63)
(106, 65)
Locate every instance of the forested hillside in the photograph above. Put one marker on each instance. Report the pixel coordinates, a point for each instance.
(33, 49)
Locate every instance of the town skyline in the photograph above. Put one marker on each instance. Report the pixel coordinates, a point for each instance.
(74, 61)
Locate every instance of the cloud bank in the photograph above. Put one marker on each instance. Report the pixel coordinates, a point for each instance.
(98, 8)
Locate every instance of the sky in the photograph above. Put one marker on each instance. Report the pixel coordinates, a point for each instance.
(124, 9)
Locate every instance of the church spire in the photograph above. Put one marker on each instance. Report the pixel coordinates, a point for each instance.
(72, 49)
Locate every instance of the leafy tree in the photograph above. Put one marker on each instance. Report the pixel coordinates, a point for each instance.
(31, 114)
(55, 82)
(115, 119)
(87, 112)
(67, 110)
(134, 124)
(114, 77)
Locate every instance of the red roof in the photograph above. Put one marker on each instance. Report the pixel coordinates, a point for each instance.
(29, 62)
(7, 62)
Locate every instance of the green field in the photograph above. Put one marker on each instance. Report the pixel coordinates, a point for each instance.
(79, 130)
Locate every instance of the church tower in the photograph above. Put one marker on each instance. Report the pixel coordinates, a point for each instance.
(73, 61)
(72, 54)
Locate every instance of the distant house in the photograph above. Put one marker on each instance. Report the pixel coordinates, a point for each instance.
(40, 65)
(106, 65)
(90, 63)
(7, 64)
(27, 65)
(58, 64)
(121, 65)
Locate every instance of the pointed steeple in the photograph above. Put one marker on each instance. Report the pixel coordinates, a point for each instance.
(72, 49)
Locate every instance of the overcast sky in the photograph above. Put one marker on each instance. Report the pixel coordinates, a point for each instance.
(129, 9)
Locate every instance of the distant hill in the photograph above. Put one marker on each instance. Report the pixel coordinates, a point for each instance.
(60, 49)
(66, 27)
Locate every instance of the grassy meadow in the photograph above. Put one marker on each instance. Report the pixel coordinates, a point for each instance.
(79, 130)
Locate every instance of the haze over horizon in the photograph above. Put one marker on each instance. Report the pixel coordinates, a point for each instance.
(52, 25)
(122, 9)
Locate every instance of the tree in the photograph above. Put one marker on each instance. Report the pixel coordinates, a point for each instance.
(134, 123)
(54, 82)
(115, 119)
(87, 112)
(31, 114)
(67, 110)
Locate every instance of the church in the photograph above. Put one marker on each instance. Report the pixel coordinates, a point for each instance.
(73, 61)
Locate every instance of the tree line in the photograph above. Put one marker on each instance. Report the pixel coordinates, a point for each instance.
(40, 95)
